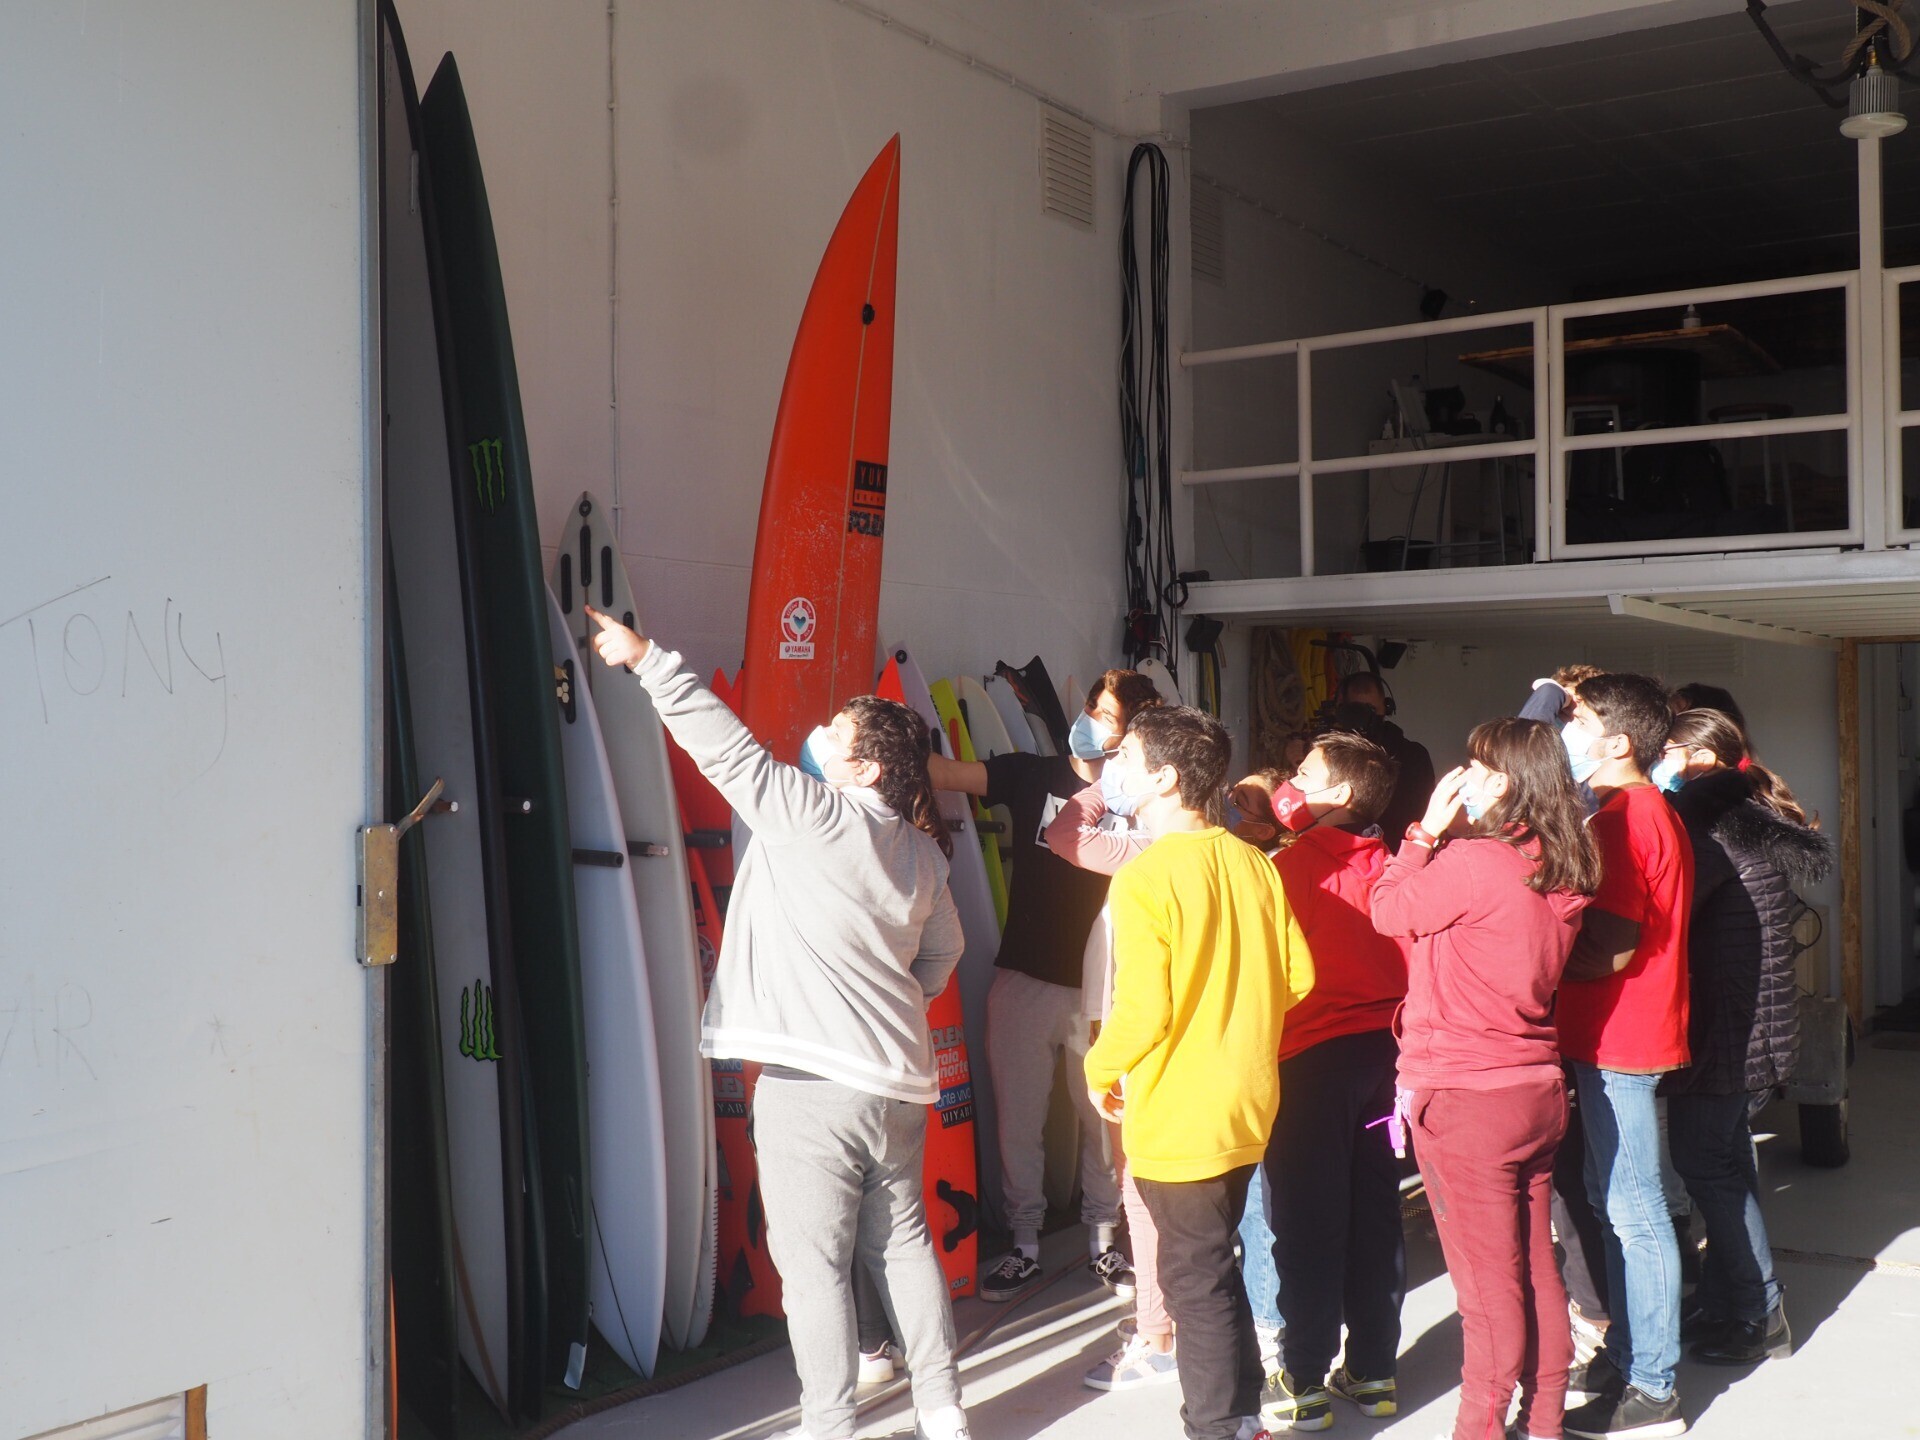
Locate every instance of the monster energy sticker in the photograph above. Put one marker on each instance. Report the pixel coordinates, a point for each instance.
(477, 1040)
(489, 473)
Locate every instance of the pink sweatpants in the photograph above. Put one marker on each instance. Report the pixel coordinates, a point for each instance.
(1149, 1305)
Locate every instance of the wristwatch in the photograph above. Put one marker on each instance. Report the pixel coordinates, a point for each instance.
(1419, 835)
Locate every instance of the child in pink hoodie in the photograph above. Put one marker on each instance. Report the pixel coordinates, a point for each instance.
(1489, 888)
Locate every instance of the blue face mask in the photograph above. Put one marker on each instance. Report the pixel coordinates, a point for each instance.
(1116, 800)
(1578, 743)
(819, 747)
(1666, 774)
(1090, 740)
(1474, 805)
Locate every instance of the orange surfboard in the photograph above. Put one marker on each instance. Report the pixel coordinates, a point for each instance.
(813, 604)
(950, 1170)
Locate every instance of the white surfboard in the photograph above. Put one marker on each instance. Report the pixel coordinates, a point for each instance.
(628, 1223)
(1162, 681)
(980, 923)
(420, 527)
(589, 568)
(1007, 705)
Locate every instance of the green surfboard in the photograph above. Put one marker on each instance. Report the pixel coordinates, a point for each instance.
(514, 687)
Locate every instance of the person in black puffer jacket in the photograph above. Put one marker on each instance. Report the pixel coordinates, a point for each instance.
(1751, 842)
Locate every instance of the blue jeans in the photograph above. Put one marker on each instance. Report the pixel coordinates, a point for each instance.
(1713, 1151)
(1643, 1254)
(1256, 1256)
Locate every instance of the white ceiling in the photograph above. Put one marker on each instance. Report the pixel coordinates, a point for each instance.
(1671, 154)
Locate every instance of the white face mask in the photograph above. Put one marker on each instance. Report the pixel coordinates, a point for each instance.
(820, 747)
(1579, 743)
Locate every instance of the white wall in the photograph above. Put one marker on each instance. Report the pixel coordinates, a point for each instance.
(742, 130)
(184, 1175)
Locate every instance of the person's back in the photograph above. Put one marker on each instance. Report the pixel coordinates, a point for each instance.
(842, 930)
(1208, 959)
(1207, 962)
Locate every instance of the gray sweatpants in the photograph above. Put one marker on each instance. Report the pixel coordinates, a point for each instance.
(840, 1177)
(1029, 1022)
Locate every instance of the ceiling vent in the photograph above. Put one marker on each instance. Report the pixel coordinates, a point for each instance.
(1207, 227)
(1066, 168)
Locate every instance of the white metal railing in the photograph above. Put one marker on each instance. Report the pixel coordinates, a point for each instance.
(1306, 464)
(1674, 301)
(1552, 443)
(1899, 419)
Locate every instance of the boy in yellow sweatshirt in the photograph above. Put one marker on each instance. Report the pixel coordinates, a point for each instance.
(1207, 961)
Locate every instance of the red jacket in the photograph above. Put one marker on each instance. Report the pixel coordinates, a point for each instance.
(1360, 975)
(1487, 957)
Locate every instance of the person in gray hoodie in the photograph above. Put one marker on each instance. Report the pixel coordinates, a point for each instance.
(840, 932)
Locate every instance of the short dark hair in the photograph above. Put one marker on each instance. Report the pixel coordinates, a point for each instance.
(1131, 691)
(1357, 761)
(1195, 744)
(1634, 706)
(1696, 696)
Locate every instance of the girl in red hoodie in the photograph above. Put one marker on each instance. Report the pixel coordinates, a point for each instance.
(1489, 888)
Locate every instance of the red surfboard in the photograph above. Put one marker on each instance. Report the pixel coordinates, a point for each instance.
(950, 1170)
(813, 605)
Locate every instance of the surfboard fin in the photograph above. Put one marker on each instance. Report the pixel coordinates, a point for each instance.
(966, 1215)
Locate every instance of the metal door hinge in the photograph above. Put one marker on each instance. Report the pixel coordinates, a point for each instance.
(379, 935)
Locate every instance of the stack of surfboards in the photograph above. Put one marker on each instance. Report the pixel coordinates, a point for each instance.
(554, 1154)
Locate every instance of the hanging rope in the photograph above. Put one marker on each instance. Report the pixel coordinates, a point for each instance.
(1877, 22)
(1155, 592)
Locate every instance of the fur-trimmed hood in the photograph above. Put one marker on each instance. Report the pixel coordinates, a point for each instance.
(1722, 804)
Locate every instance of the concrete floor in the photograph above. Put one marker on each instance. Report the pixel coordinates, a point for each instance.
(1847, 1244)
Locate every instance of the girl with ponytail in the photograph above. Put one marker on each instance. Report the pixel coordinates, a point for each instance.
(1751, 842)
(840, 932)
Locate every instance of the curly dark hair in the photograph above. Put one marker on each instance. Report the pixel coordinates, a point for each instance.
(896, 739)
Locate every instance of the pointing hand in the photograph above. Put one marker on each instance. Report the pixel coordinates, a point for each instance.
(618, 644)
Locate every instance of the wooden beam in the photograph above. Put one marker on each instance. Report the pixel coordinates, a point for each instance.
(1851, 989)
(197, 1413)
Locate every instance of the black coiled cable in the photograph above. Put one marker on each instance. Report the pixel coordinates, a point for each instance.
(1155, 591)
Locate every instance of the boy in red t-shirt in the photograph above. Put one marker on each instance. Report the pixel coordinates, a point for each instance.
(1622, 1015)
(1330, 1169)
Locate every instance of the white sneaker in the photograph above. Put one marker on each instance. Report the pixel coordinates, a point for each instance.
(1251, 1428)
(947, 1423)
(877, 1366)
(1133, 1365)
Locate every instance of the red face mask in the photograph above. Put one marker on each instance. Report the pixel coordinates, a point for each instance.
(1290, 807)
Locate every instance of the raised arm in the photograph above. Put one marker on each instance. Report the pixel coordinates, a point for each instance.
(1142, 988)
(1421, 892)
(777, 801)
(1076, 837)
(968, 777)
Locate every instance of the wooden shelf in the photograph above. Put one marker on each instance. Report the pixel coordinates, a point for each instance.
(1724, 351)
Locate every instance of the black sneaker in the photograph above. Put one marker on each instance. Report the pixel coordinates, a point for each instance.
(1742, 1342)
(1010, 1279)
(1111, 1269)
(1287, 1403)
(1630, 1415)
(1593, 1380)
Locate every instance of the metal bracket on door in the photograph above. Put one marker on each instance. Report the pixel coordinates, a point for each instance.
(379, 932)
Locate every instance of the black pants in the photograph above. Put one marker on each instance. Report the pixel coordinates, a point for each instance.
(1335, 1195)
(1198, 1221)
(1582, 1235)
